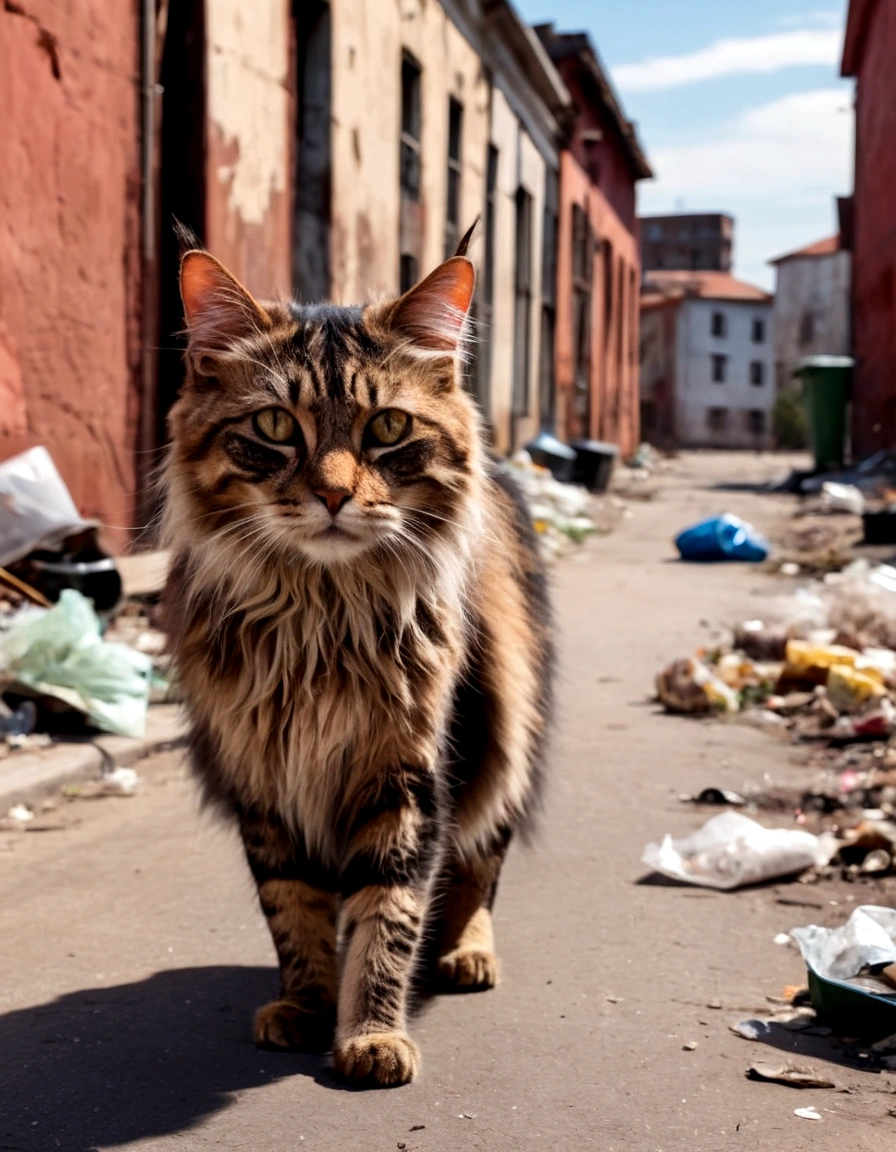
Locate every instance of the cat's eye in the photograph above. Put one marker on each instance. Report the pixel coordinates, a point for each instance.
(275, 424)
(387, 428)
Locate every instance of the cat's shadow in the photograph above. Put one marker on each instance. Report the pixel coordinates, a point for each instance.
(106, 1066)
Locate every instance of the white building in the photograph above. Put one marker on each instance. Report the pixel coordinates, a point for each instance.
(707, 360)
(811, 305)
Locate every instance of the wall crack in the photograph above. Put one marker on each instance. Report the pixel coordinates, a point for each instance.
(46, 41)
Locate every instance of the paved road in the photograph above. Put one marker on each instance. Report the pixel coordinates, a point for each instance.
(133, 954)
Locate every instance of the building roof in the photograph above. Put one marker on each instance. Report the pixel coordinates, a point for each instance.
(858, 21)
(702, 285)
(562, 45)
(826, 247)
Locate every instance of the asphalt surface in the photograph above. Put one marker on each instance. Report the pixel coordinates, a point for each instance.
(133, 953)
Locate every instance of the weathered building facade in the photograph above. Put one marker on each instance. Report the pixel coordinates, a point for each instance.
(328, 149)
(598, 280)
(708, 351)
(869, 53)
(811, 312)
(700, 241)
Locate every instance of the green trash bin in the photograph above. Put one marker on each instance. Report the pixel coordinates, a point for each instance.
(826, 385)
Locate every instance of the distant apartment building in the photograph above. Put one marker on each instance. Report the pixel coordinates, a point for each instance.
(811, 310)
(869, 53)
(701, 241)
(707, 361)
(598, 265)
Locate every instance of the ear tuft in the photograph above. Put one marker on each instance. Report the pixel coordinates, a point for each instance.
(218, 308)
(432, 315)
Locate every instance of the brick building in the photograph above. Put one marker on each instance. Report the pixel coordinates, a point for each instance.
(869, 53)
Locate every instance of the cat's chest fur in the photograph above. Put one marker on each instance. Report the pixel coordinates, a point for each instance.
(307, 690)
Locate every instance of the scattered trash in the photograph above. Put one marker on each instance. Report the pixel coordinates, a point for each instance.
(718, 796)
(688, 686)
(559, 511)
(794, 1074)
(59, 653)
(20, 722)
(806, 1113)
(842, 498)
(36, 508)
(722, 538)
(782, 938)
(691, 1046)
(731, 851)
(20, 813)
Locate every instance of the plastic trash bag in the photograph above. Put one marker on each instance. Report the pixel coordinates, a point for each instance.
(36, 508)
(731, 850)
(59, 652)
(866, 940)
(724, 537)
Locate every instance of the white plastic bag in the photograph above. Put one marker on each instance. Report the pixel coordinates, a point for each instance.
(59, 652)
(868, 938)
(732, 850)
(36, 508)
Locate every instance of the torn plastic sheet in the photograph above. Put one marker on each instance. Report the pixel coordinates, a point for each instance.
(731, 850)
(866, 940)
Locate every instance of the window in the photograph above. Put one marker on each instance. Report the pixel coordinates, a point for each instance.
(546, 377)
(757, 373)
(409, 275)
(717, 419)
(755, 421)
(719, 369)
(807, 329)
(719, 325)
(486, 292)
(452, 213)
(522, 317)
(758, 331)
(582, 269)
(411, 121)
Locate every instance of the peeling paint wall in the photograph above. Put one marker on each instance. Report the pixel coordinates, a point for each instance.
(69, 244)
(249, 136)
(368, 39)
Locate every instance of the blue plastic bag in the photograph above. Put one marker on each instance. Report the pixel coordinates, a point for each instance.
(722, 538)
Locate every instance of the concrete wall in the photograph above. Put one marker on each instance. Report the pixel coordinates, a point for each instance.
(874, 239)
(70, 244)
(811, 310)
(368, 39)
(249, 133)
(614, 405)
(696, 392)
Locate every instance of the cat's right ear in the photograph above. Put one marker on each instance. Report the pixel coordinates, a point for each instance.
(218, 309)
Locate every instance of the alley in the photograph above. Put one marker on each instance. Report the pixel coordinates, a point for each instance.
(133, 952)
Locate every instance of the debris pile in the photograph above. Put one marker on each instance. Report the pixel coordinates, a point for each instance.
(559, 511)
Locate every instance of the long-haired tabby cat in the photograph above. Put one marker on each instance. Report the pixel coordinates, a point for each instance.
(358, 616)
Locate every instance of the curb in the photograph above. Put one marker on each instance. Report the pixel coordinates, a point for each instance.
(29, 776)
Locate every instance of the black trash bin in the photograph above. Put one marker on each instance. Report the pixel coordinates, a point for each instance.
(549, 452)
(594, 463)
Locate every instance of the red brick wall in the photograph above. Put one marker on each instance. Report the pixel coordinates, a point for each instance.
(874, 257)
(69, 243)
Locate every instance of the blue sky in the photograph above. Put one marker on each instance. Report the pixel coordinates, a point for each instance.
(739, 106)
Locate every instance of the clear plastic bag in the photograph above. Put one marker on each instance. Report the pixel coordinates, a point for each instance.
(59, 652)
(36, 508)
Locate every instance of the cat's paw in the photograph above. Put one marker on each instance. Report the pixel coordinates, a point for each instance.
(287, 1027)
(384, 1058)
(468, 970)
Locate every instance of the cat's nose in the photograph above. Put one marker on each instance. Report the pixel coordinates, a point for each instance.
(333, 498)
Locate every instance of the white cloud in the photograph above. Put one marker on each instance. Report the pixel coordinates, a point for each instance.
(826, 19)
(794, 146)
(750, 54)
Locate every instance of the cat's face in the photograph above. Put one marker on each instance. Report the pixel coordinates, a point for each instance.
(322, 431)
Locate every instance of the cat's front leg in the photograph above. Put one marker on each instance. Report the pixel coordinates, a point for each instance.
(301, 914)
(385, 885)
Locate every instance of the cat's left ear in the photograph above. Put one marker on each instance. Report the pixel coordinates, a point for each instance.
(433, 314)
(219, 310)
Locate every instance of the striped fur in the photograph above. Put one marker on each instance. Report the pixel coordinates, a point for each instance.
(361, 633)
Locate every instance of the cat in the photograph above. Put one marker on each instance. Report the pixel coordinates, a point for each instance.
(360, 625)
